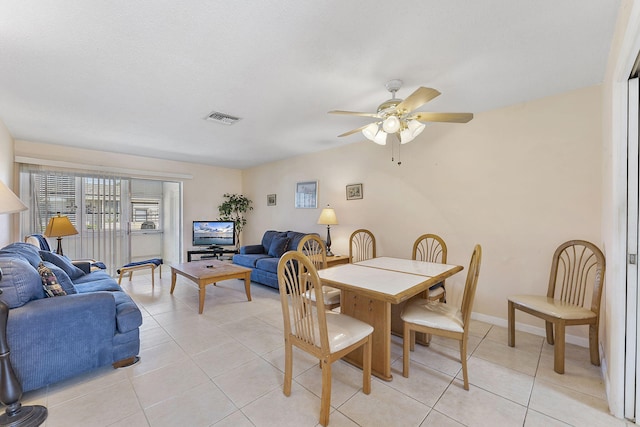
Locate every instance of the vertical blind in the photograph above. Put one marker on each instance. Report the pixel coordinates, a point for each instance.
(96, 204)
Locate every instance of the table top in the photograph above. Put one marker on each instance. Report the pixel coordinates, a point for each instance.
(420, 268)
(377, 280)
(208, 268)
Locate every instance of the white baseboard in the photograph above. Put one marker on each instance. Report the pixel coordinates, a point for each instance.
(498, 321)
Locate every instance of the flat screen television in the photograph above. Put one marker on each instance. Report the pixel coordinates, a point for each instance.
(214, 233)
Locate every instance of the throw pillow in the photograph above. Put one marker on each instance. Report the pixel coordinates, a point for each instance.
(62, 262)
(278, 246)
(49, 282)
(63, 278)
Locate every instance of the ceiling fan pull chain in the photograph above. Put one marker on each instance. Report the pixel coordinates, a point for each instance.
(392, 151)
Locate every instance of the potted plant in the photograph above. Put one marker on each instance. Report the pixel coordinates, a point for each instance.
(233, 209)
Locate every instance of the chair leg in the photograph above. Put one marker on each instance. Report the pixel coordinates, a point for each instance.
(366, 367)
(120, 277)
(549, 326)
(511, 314)
(558, 353)
(153, 269)
(325, 400)
(406, 345)
(412, 340)
(288, 367)
(593, 345)
(130, 275)
(463, 359)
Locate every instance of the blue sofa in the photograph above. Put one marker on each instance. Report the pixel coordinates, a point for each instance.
(263, 258)
(55, 338)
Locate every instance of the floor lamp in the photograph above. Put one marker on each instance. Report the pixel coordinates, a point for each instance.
(328, 218)
(15, 415)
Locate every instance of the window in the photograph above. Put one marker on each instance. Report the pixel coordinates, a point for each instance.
(145, 215)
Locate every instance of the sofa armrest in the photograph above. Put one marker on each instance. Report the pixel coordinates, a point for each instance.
(85, 266)
(251, 249)
(68, 334)
(85, 321)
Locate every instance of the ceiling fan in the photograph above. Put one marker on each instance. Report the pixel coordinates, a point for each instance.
(396, 116)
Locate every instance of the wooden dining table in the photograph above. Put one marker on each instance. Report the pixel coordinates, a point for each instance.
(370, 288)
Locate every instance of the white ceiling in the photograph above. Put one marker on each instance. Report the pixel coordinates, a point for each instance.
(139, 76)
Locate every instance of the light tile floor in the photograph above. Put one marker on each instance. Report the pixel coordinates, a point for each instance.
(225, 368)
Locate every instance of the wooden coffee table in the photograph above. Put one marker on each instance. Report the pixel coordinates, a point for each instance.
(210, 271)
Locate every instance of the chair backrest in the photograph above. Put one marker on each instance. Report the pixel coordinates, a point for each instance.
(470, 285)
(362, 245)
(431, 248)
(302, 319)
(313, 247)
(577, 269)
(38, 240)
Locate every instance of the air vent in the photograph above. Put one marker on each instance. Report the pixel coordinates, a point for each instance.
(223, 118)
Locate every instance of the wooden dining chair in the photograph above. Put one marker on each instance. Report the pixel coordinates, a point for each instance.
(432, 248)
(314, 248)
(445, 320)
(324, 334)
(573, 298)
(362, 245)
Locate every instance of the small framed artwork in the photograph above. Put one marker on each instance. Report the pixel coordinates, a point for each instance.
(307, 195)
(354, 191)
(271, 199)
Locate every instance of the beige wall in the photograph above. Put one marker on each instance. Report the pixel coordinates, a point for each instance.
(6, 176)
(201, 195)
(518, 180)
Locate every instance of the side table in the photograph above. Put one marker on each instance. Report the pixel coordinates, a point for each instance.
(337, 260)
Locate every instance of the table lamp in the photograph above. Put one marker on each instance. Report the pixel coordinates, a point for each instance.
(60, 226)
(328, 218)
(15, 415)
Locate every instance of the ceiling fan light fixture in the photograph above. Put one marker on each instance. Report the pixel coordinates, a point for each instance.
(380, 138)
(415, 127)
(406, 136)
(391, 124)
(370, 131)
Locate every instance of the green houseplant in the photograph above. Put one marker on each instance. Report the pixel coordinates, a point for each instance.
(233, 209)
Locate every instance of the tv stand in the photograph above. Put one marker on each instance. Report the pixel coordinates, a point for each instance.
(216, 248)
(210, 252)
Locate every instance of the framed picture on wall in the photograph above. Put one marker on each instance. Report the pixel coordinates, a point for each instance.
(271, 199)
(307, 195)
(354, 191)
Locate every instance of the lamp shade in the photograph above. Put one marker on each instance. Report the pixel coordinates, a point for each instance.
(391, 124)
(9, 202)
(380, 138)
(328, 216)
(370, 131)
(60, 226)
(405, 136)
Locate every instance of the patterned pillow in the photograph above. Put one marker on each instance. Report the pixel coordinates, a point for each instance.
(49, 282)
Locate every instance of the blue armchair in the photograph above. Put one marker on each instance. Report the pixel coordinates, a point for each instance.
(55, 338)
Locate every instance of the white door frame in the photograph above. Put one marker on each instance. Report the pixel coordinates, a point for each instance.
(631, 341)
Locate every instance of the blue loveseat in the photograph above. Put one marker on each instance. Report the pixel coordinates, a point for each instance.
(263, 258)
(55, 338)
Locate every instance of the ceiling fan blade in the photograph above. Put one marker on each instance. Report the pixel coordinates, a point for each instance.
(421, 96)
(353, 113)
(442, 117)
(351, 132)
